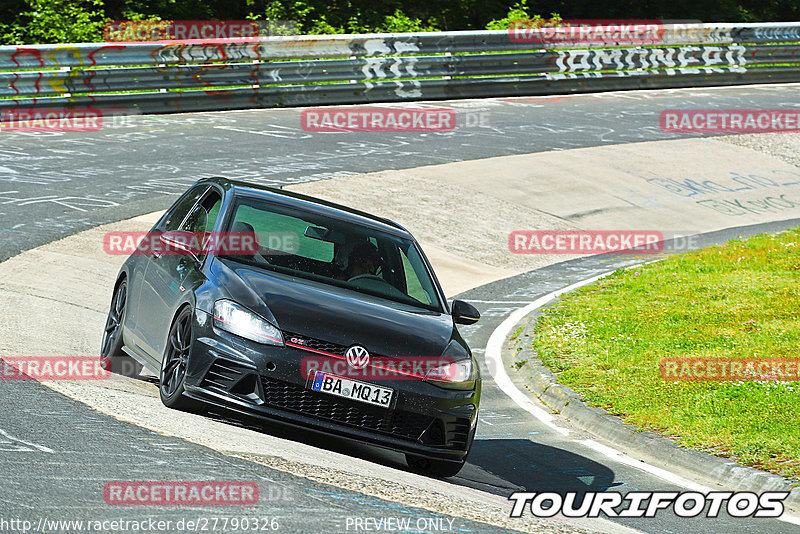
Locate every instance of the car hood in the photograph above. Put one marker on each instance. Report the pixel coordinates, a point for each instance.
(337, 315)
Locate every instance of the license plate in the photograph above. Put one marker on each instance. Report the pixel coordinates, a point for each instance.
(352, 389)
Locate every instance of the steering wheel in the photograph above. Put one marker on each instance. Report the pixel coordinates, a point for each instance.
(367, 276)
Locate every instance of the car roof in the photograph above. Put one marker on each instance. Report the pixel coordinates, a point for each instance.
(293, 199)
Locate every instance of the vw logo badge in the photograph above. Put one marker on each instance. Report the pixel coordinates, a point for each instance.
(357, 357)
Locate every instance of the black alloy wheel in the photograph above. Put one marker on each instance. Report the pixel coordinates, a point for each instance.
(174, 363)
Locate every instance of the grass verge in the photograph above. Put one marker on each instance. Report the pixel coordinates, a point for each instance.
(740, 299)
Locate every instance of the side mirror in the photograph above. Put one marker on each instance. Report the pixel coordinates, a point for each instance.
(465, 313)
(185, 243)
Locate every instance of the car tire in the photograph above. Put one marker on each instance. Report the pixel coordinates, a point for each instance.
(111, 346)
(436, 468)
(174, 363)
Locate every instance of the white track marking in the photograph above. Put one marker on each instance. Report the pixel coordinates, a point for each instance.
(41, 448)
(494, 359)
(623, 458)
(494, 362)
(678, 480)
(788, 518)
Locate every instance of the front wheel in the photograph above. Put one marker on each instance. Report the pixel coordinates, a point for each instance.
(436, 468)
(174, 363)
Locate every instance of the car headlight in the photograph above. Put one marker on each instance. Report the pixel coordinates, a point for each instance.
(235, 319)
(458, 374)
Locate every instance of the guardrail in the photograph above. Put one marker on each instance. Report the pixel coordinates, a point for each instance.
(196, 75)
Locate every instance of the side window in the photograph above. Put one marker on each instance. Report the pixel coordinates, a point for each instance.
(183, 206)
(213, 213)
(415, 287)
(205, 214)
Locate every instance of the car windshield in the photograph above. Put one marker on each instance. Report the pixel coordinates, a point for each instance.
(316, 247)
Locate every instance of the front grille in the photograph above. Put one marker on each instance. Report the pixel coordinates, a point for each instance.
(233, 379)
(315, 344)
(295, 398)
(335, 349)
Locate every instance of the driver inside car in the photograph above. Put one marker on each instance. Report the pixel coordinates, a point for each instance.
(363, 261)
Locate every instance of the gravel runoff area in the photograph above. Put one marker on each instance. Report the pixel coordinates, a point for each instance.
(779, 145)
(468, 210)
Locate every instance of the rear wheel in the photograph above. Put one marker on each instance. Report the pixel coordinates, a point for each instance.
(437, 468)
(174, 363)
(111, 347)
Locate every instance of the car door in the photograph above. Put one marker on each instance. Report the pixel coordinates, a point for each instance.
(163, 291)
(136, 276)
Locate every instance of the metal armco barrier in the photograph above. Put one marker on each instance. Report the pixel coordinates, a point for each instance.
(196, 75)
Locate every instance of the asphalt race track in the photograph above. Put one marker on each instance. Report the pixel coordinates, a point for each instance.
(61, 477)
(56, 184)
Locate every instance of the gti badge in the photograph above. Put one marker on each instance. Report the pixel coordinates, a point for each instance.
(357, 357)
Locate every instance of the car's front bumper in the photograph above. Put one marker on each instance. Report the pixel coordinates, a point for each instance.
(267, 382)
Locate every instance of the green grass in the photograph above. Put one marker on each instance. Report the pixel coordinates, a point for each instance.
(740, 299)
(516, 333)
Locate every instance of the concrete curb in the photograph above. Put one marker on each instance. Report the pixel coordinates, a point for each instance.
(657, 450)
